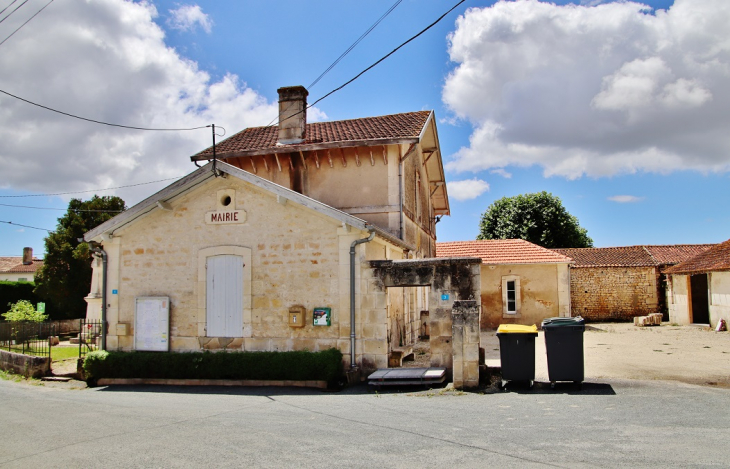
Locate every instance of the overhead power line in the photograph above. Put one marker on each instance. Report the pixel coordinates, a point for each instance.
(354, 44)
(11, 4)
(90, 190)
(377, 62)
(16, 9)
(27, 21)
(63, 209)
(24, 226)
(96, 121)
(388, 54)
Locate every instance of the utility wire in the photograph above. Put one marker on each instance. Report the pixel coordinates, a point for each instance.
(28, 21)
(377, 62)
(11, 4)
(98, 122)
(355, 43)
(91, 190)
(278, 117)
(64, 209)
(16, 9)
(25, 226)
(387, 55)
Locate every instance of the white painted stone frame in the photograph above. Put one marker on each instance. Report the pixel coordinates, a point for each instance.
(203, 254)
(518, 296)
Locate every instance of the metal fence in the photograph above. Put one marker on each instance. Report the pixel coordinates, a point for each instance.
(28, 338)
(90, 336)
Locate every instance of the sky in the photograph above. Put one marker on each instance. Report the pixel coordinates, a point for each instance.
(617, 108)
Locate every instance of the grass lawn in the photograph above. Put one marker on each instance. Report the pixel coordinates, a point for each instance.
(64, 353)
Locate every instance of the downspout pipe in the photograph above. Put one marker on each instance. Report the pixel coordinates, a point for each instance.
(352, 293)
(96, 249)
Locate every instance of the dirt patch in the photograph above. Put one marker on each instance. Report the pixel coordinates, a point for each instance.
(421, 355)
(688, 354)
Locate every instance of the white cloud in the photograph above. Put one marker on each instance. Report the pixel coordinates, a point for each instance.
(187, 17)
(502, 172)
(599, 89)
(107, 60)
(467, 189)
(625, 199)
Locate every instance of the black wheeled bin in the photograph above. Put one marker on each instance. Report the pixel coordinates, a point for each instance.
(564, 347)
(517, 352)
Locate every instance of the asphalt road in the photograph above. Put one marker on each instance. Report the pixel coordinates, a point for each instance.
(622, 423)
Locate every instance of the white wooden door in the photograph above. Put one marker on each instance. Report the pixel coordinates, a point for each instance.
(224, 293)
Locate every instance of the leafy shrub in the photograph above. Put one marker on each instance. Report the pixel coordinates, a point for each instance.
(23, 310)
(300, 365)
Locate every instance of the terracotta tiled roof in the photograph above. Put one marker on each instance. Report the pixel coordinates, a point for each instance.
(501, 251)
(409, 124)
(714, 259)
(14, 265)
(632, 256)
(676, 253)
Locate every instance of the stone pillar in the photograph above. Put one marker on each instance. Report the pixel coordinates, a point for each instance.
(440, 325)
(465, 343)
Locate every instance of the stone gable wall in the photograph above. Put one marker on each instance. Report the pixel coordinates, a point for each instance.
(296, 259)
(613, 293)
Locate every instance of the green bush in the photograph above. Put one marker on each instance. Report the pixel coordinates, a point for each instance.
(301, 366)
(23, 310)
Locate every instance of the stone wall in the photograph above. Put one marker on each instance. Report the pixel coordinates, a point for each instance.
(466, 340)
(613, 293)
(449, 280)
(719, 297)
(26, 365)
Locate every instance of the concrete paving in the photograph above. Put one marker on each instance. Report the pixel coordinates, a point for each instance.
(610, 424)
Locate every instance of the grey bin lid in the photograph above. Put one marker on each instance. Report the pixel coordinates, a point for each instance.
(563, 322)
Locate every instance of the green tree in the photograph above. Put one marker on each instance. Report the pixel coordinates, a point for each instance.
(23, 310)
(65, 277)
(539, 218)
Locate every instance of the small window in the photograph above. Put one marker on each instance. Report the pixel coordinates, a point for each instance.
(511, 297)
(23, 279)
(511, 301)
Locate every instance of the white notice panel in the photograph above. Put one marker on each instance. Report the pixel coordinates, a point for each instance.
(152, 324)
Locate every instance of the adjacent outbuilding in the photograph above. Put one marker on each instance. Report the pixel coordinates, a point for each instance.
(698, 290)
(521, 282)
(620, 283)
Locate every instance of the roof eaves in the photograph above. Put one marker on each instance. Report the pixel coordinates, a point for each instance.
(306, 147)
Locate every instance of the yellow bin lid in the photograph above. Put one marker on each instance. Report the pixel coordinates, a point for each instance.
(516, 329)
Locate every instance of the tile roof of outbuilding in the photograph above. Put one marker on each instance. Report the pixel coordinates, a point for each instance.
(676, 253)
(14, 265)
(633, 256)
(716, 258)
(501, 251)
(394, 126)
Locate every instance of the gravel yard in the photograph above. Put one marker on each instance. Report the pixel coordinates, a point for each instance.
(688, 354)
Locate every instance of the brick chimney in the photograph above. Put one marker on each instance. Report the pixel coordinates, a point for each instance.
(292, 114)
(27, 256)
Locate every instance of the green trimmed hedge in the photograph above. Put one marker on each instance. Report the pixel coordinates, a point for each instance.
(301, 365)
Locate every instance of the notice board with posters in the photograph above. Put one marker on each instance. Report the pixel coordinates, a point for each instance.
(152, 323)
